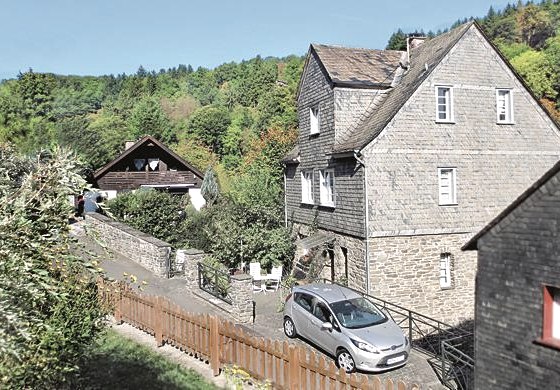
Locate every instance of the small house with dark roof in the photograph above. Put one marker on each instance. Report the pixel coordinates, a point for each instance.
(148, 163)
(403, 155)
(517, 314)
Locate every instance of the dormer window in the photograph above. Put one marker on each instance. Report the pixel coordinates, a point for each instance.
(504, 106)
(314, 120)
(444, 104)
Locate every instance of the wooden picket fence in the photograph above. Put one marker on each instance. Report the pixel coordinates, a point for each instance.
(221, 343)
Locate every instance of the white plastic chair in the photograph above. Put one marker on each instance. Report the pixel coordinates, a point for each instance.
(274, 277)
(255, 272)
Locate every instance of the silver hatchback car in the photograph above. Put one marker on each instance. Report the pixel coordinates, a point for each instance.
(346, 325)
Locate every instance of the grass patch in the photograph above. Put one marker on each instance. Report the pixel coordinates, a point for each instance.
(116, 362)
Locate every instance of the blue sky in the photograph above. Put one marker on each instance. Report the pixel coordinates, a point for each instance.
(94, 37)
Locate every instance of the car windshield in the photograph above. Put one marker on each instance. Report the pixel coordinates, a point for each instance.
(357, 313)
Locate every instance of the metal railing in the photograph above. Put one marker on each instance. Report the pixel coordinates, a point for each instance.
(214, 281)
(457, 366)
(452, 346)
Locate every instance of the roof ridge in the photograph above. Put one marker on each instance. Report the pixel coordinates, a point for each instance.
(337, 46)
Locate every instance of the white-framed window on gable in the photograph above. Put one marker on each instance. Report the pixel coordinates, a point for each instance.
(447, 178)
(504, 105)
(327, 187)
(307, 186)
(445, 270)
(314, 117)
(444, 104)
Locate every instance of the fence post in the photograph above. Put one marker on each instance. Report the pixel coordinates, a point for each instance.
(410, 328)
(118, 303)
(158, 326)
(294, 367)
(215, 345)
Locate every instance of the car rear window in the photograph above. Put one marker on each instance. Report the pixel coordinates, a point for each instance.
(304, 300)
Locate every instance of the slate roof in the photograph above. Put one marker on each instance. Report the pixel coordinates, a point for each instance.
(423, 60)
(146, 139)
(473, 242)
(292, 156)
(358, 67)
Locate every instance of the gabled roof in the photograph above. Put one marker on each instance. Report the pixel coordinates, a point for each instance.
(144, 140)
(423, 59)
(358, 67)
(472, 243)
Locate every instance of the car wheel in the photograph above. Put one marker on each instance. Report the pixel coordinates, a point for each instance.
(289, 328)
(345, 361)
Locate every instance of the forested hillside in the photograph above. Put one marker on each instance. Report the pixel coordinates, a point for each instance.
(528, 35)
(227, 117)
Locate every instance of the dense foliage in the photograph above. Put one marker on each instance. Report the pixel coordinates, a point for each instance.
(527, 34)
(214, 114)
(157, 213)
(49, 310)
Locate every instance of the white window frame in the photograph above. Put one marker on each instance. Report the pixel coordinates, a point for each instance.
(445, 270)
(504, 105)
(448, 104)
(314, 120)
(551, 317)
(327, 186)
(447, 187)
(307, 186)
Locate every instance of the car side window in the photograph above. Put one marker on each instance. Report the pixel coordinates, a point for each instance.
(322, 312)
(304, 301)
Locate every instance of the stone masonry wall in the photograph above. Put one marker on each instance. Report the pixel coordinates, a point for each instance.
(149, 252)
(405, 270)
(351, 267)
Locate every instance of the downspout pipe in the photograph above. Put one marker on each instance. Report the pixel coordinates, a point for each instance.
(285, 202)
(357, 155)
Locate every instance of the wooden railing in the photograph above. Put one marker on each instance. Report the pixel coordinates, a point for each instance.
(221, 343)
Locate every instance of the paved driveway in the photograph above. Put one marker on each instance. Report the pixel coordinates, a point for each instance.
(268, 318)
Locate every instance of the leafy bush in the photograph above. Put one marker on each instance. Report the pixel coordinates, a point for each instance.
(49, 310)
(153, 212)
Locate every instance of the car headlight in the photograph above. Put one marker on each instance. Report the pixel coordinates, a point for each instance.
(365, 346)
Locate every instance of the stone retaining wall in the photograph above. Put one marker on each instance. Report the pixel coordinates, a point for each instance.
(149, 252)
(240, 290)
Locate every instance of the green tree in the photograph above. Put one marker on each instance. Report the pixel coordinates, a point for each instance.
(397, 41)
(209, 125)
(534, 25)
(153, 212)
(537, 72)
(148, 118)
(210, 188)
(49, 308)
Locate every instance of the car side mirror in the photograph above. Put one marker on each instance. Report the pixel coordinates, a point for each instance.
(327, 326)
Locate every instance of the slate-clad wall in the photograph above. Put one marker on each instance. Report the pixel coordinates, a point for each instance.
(494, 164)
(149, 252)
(347, 216)
(516, 258)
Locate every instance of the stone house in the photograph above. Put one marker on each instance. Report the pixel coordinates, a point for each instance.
(147, 163)
(403, 156)
(517, 314)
